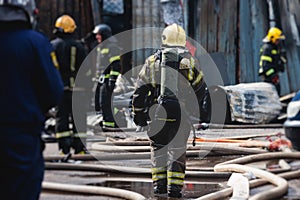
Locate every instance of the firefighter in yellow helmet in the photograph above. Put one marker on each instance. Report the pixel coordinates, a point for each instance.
(271, 58)
(65, 24)
(70, 54)
(163, 89)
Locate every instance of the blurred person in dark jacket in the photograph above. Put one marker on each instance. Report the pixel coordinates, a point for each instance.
(30, 86)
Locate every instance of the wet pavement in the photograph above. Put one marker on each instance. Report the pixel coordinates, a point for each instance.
(193, 188)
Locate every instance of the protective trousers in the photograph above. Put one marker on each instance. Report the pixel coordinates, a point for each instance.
(168, 134)
(22, 169)
(106, 105)
(75, 135)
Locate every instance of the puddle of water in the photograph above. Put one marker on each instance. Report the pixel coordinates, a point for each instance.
(191, 190)
(198, 190)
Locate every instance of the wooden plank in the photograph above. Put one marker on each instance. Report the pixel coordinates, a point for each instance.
(260, 27)
(83, 5)
(60, 7)
(295, 51)
(290, 79)
(137, 36)
(245, 41)
(96, 11)
(288, 97)
(227, 36)
(286, 84)
(202, 36)
(232, 35)
(212, 28)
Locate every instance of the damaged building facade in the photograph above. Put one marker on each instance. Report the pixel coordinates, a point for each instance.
(230, 31)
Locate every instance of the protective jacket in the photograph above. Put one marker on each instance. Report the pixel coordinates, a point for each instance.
(108, 68)
(70, 55)
(38, 83)
(148, 84)
(271, 62)
(30, 86)
(166, 84)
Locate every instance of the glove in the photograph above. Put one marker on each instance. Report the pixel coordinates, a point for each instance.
(140, 118)
(275, 79)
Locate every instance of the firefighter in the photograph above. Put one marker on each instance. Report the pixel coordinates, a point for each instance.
(70, 55)
(30, 86)
(108, 68)
(163, 88)
(272, 59)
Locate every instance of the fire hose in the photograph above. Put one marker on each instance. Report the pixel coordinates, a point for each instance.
(84, 189)
(267, 177)
(126, 170)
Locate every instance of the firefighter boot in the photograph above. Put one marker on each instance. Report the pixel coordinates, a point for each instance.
(174, 191)
(79, 145)
(64, 144)
(160, 187)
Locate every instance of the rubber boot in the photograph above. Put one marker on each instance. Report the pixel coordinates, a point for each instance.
(79, 145)
(160, 187)
(175, 191)
(64, 144)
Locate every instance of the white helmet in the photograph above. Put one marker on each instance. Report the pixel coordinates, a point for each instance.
(174, 35)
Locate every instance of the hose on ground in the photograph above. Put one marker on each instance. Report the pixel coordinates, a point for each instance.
(254, 158)
(222, 194)
(102, 156)
(262, 157)
(84, 189)
(282, 184)
(215, 147)
(127, 170)
(114, 156)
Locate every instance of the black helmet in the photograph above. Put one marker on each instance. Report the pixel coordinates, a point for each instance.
(10, 10)
(104, 30)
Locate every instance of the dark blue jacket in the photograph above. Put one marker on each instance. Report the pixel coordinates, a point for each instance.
(29, 82)
(296, 98)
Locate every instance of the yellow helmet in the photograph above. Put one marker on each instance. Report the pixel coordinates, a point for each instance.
(174, 35)
(273, 35)
(65, 24)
